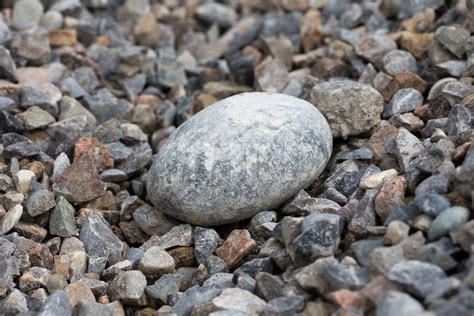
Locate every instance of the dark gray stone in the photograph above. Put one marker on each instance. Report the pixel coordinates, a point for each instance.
(206, 241)
(438, 183)
(214, 171)
(167, 284)
(7, 65)
(62, 221)
(362, 249)
(454, 38)
(104, 105)
(255, 266)
(432, 204)
(10, 123)
(195, 296)
(39, 202)
(214, 265)
(319, 237)
(56, 304)
(152, 221)
(344, 178)
(417, 277)
(459, 121)
(101, 244)
(404, 100)
(432, 157)
(341, 276)
(437, 254)
(268, 285)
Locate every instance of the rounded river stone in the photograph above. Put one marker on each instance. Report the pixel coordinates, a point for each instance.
(242, 155)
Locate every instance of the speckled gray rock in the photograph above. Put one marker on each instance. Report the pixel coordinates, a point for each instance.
(415, 276)
(40, 202)
(454, 38)
(100, 242)
(206, 242)
(398, 61)
(351, 108)
(197, 178)
(404, 100)
(56, 304)
(128, 287)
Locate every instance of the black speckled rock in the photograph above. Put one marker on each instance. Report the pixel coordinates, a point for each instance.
(243, 155)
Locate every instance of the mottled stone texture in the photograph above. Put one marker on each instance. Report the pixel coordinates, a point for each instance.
(351, 108)
(243, 155)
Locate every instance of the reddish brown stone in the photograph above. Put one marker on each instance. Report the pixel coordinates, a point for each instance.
(348, 299)
(203, 101)
(80, 182)
(148, 99)
(37, 167)
(103, 299)
(438, 107)
(79, 291)
(255, 53)
(326, 68)
(402, 81)
(311, 30)
(101, 156)
(382, 134)
(392, 191)
(238, 245)
(61, 265)
(183, 256)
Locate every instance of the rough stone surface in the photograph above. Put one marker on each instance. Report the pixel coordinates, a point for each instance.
(215, 168)
(351, 108)
(100, 242)
(156, 262)
(235, 247)
(128, 286)
(62, 221)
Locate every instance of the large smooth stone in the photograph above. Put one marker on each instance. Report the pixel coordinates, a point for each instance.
(242, 155)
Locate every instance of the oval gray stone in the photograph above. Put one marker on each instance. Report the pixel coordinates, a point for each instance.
(243, 155)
